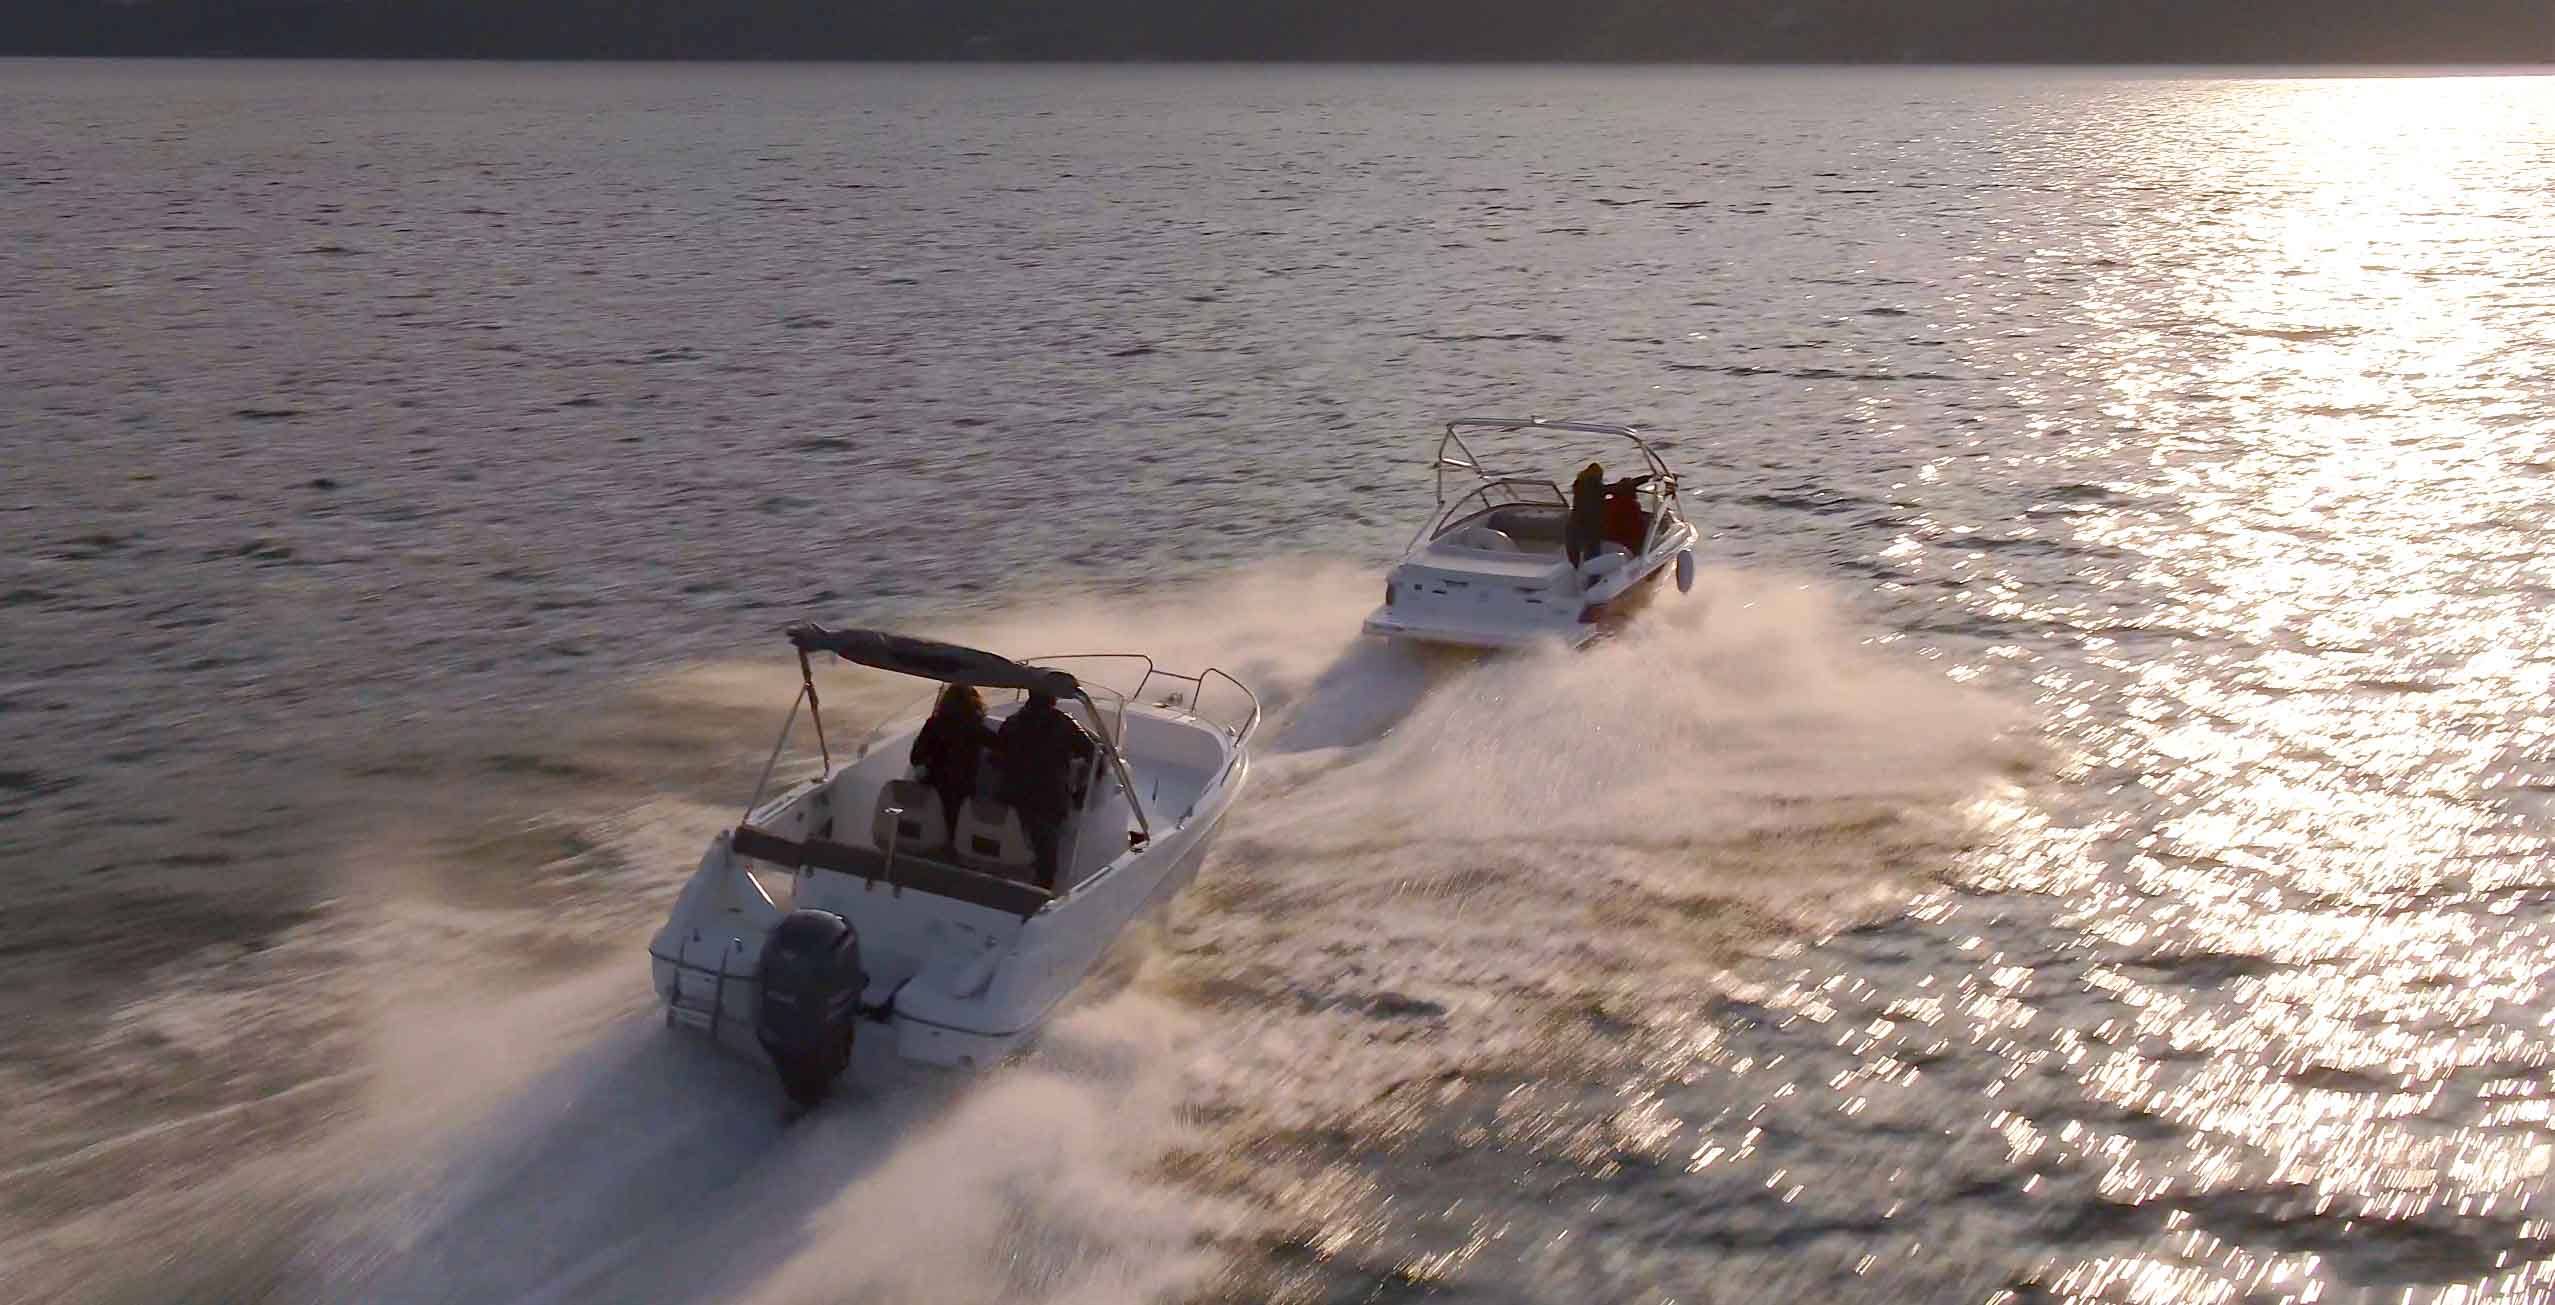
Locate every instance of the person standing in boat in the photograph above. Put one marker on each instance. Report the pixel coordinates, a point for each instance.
(1626, 523)
(1587, 525)
(951, 746)
(1043, 751)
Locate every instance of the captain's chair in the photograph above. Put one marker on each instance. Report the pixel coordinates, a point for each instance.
(992, 839)
(910, 818)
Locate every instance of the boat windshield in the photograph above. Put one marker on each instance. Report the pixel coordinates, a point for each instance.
(1211, 695)
(1110, 727)
(999, 702)
(904, 717)
(1577, 442)
(1112, 680)
(1507, 491)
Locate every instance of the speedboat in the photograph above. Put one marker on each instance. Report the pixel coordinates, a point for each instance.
(846, 899)
(1495, 567)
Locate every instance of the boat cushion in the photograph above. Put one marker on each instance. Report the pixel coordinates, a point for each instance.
(1609, 558)
(991, 837)
(923, 826)
(1484, 538)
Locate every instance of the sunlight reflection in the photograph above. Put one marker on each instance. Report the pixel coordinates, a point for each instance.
(2314, 949)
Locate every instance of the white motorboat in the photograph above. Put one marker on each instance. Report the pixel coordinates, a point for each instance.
(1498, 566)
(846, 897)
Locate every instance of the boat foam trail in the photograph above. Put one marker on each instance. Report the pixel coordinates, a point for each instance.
(645, 1169)
(1446, 867)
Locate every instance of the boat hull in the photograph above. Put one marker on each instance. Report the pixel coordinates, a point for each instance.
(958, 983)
(1489, 628)
(959, 1033)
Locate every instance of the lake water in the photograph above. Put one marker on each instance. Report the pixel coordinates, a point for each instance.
(2086, 836)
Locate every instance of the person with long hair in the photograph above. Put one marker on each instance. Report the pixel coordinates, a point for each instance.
(951, 748)
(1586, 527)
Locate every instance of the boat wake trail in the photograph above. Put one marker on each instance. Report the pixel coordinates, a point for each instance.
(1451, 882)
(1469, 946)
(648, 1168)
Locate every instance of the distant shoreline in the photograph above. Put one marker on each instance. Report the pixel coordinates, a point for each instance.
(1785, 33)
(2285, 67)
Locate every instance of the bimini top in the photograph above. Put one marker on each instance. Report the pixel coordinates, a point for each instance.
(931, 660)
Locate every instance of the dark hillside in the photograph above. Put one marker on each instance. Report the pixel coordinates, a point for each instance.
(2061, 31)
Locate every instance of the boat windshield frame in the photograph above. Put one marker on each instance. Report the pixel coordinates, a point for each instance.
(1454, 453)
(1110, 727)
(1151, 676)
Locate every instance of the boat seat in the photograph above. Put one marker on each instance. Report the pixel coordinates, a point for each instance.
(923, 826)
(992, 839)
(1531, 525)
(1609, 558)
(1484, 538)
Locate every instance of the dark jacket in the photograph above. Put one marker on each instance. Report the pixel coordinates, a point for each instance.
(1587, 516)
(1042, 753)
(1626, 523)
(948, 750)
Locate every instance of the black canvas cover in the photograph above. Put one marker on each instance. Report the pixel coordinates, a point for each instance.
(931, 660)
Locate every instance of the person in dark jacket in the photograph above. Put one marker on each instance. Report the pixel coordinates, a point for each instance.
(1044, 752)
(1626, 523)
(951, 746)
(1587, 515)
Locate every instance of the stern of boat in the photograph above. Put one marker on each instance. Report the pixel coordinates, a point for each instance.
(1497, 604)
(704, 961)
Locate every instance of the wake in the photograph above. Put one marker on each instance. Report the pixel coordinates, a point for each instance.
(653, 1167)
(1441, 867)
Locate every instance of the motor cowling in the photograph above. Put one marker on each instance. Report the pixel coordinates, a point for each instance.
(811, 1001)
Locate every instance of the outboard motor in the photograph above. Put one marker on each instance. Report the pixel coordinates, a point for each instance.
(812, 984)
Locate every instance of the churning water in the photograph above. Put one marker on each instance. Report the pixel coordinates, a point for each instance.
(2085, 837)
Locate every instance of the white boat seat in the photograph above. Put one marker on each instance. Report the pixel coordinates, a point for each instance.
(1609, 558)
(1544, 526)
(991, 838)
(922, 828)
(1483, 538)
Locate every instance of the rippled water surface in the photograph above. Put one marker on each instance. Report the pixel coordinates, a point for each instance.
(2085, 838)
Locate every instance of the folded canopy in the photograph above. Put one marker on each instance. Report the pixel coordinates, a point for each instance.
(931, 660)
